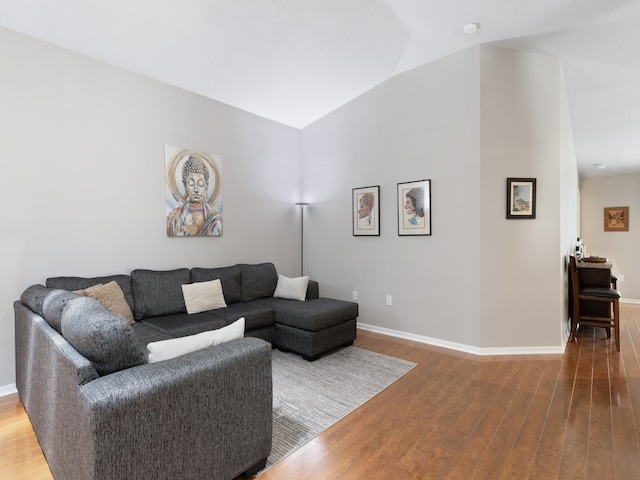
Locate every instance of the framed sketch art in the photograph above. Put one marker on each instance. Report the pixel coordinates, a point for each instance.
(414, 208)
(366, 211)
(521, 198)
(616, 219)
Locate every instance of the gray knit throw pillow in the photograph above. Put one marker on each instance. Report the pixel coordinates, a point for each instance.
(104, 338)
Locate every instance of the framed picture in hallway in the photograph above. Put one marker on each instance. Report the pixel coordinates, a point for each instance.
(521, 198)
(616, 219)
(366, 211)
(414, 208)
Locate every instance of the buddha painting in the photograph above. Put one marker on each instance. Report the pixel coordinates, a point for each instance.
(194, 206)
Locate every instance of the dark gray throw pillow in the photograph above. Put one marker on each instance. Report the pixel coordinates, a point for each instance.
(104, 338)
(54, 305)
(159, 292)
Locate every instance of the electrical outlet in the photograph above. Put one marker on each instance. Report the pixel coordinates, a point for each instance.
(355, 295)
(621, 278)
(389, 300)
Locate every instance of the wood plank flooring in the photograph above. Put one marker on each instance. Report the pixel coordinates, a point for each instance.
(458, 416)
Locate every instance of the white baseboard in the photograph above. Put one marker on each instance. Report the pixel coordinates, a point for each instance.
(8, 390)
(629, 300)
(462, 347)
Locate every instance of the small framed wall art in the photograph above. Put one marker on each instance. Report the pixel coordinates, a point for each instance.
(616, 219)
(521, 198)
(366, 211)
(414, 208)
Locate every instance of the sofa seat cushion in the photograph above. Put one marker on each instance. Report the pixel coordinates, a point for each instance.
(81, 283)
(147, 334)
(311, 315)
(255, 314)
(159, 292)
(181, 324)
(230, 277)
(107, 340)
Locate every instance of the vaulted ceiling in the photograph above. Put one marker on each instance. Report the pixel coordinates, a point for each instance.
(294, 61)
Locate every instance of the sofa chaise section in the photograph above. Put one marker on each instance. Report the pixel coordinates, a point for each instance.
(314, 327)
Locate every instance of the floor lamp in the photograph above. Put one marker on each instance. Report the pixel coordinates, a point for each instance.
(302, 205)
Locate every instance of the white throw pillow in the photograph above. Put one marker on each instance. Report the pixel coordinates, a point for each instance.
(292, 288)
(203, 296)
(174, 347)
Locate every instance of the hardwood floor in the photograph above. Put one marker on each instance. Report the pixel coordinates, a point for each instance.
(458, 416)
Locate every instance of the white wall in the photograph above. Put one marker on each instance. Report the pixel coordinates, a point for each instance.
(82, 185)
(423, 124)
(467, 122)
(569, 205)
(525, 133)
(619, 247)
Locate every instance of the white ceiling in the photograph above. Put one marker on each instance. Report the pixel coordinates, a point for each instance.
(294, 61)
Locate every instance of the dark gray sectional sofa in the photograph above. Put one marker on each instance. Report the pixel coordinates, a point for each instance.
(203, 415)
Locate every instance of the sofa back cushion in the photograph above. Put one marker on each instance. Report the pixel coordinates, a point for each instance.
(229, 276)
(53, 306)
(104, 338)
(33, 297)
(82, 283)
(258, 281)
(159, 292)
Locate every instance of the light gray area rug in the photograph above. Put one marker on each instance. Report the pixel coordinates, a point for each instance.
(309, 397)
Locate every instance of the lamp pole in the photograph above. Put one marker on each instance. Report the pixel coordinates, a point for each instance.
(302, 205)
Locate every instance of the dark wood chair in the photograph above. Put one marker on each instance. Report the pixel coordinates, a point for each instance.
(594, 294)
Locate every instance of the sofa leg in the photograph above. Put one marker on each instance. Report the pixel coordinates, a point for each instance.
(255, 469)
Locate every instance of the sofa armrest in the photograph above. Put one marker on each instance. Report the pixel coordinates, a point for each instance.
(207, 414)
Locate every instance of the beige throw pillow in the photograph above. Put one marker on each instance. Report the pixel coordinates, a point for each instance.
(203, 296)
(111, 296)
(175, 347)
(291, 288)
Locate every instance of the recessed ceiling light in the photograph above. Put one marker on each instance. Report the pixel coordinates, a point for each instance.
(600, 165)
(470, 28)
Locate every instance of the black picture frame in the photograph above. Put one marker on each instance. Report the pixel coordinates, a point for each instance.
(365, 215)
(414, 208)
(521, 198)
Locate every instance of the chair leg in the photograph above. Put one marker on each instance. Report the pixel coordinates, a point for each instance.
(616, 319)
(574, 321)
(574, 331)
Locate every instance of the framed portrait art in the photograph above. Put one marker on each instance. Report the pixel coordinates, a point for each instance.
(414, 208)
(616, 219)
(366, 211)
(521, 198)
